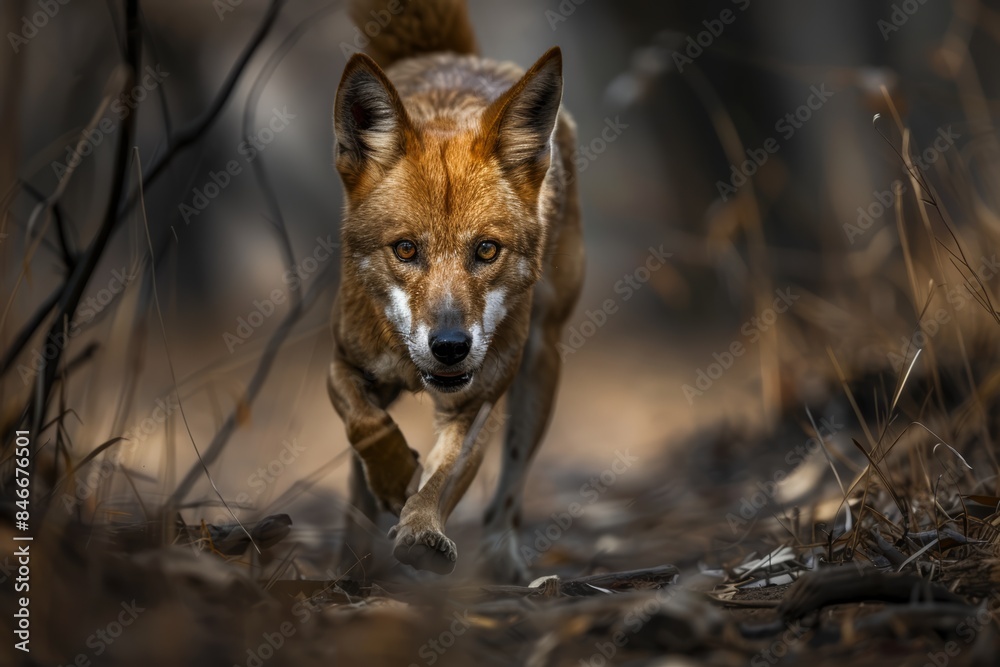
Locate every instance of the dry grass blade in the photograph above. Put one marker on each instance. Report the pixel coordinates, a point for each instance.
(277, 340)
(900, 505)
(114, 87)
(849, 393)
(906, 376)
(826, 453)
(170, 363)
(917, 555)
(953, 451)
(93, 454)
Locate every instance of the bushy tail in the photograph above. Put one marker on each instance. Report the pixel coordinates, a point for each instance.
(408, 28)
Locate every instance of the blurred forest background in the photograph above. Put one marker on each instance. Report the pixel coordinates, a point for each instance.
(761, 144)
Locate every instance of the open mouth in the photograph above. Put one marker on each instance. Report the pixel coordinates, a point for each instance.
(446, 382)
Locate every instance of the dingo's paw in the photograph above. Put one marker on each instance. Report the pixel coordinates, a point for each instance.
(421, 544)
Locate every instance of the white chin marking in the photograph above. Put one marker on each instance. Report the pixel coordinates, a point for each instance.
(495, 310)
(398, 311)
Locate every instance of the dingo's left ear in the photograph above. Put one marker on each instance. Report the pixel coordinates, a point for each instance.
(518, 125)
(369, 120)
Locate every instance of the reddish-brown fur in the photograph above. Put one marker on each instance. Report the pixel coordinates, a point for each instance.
(448, 151)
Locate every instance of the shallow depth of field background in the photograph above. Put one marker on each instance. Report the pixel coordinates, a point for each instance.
(677, 128)
(655, 185)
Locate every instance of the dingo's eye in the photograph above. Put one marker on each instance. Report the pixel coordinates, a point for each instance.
(487, 251)
(405, 250)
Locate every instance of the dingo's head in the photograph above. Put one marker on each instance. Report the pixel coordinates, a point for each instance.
(443, 224)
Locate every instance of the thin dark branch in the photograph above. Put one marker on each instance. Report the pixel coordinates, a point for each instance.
(190, 133)
(214, 449)
(68, 296)
(77, 283)
(66, 247)
(27, 331)
(150, 43)
(249, 115)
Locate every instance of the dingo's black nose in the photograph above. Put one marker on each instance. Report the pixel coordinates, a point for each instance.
(450, 346)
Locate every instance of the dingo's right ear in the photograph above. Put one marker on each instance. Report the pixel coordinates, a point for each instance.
(369, 120)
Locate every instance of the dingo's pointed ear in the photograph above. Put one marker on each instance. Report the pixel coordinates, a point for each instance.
(518, 125)
(369, 120)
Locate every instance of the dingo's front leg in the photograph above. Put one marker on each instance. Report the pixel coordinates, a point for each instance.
(390, 466)
(451, 467)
